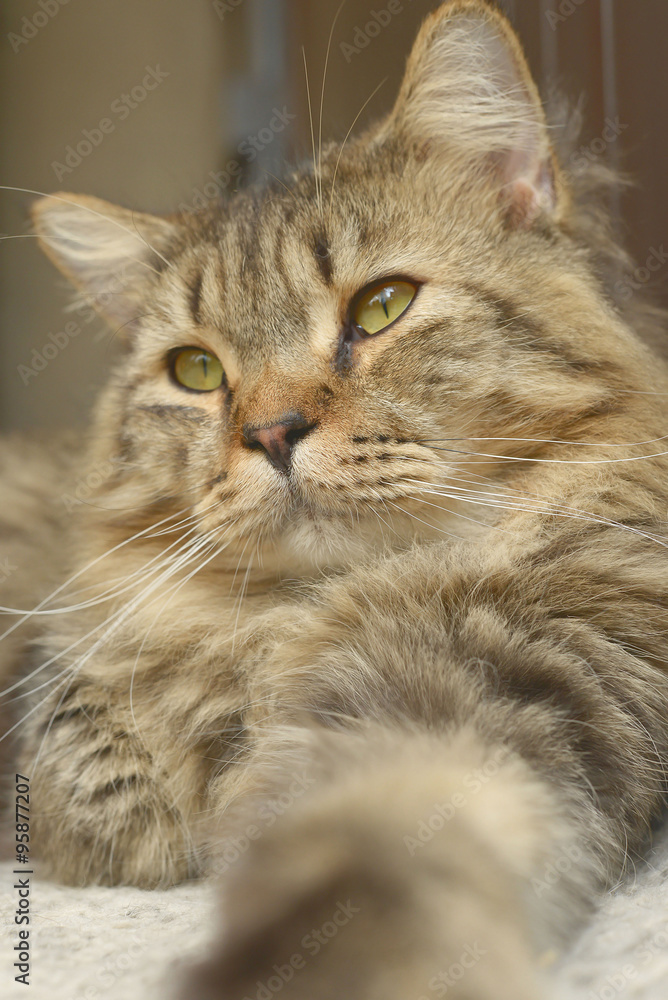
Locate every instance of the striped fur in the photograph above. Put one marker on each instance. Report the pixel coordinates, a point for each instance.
(442, 637)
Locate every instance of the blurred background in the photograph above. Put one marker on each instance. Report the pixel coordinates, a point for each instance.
(161, 104)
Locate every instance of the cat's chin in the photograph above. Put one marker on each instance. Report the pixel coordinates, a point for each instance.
(315, 544)
(313, 541)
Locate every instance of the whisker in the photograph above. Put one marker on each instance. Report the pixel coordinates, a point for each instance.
(30, 712)
(52, 718)
(69, 239)
(281, 182)
(555, 510)
(85, 208)
(149, 246)
(114, 621)
(145, 533)
(457, 513)
(310, 114)
(112, 592)
(338, 160)
(322, 94)
(171, 594)
(433, 527)
(582, 444)
(551, 461)
(239, 602)
(90, 565)
(116, 618)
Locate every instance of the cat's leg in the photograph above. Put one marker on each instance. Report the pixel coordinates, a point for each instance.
(102, 811)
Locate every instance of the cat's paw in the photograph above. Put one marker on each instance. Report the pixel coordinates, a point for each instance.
(318, 913)
(366, 944)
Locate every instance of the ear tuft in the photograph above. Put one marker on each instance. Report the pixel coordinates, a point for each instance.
(469, 93)
(111, 254)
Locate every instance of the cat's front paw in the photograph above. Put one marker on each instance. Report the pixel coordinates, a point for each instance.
(103, 813)
(311, 914)
(328, 944)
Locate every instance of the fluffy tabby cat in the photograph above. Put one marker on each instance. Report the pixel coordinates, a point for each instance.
(369, 609)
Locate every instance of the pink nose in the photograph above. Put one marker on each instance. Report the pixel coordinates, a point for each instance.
(278, 439)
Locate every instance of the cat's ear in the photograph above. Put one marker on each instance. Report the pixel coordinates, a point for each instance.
(468, 91)
(112, 255)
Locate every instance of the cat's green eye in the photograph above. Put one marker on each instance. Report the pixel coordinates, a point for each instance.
(382, 304)
(197, 369)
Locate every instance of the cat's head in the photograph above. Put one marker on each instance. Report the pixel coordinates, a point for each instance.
(314, 363)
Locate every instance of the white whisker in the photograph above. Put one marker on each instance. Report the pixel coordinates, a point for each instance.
(85, 208)
(171, 594)
(551, 509)
(173, 563)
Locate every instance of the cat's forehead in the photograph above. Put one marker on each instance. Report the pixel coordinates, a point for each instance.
(257, 281)
(271, 264)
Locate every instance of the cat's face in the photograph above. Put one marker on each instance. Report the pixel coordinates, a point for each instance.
(312, 366)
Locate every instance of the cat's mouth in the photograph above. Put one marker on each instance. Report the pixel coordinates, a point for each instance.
(315, 495)
(329, 506)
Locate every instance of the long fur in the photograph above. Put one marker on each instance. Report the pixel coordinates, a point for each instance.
(410, 679)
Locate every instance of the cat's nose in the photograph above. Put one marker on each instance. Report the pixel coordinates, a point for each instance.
(278, 439)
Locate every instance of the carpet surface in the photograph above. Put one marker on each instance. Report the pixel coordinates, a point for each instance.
(128, 944)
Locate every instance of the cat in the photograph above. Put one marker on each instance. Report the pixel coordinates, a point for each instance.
(368, 612)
